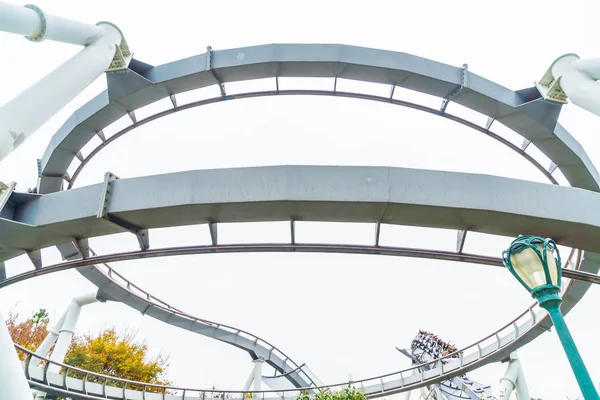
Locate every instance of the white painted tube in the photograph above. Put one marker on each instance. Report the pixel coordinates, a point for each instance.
(578, 80)
(258, 364)
(49, 340)
(23, 115)
(13, 384)
(248, 381)
(522, 389)
(67, 330)
(33, 23)
(514, 380)
(508, 381)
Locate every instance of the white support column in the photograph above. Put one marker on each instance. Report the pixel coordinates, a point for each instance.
(67, 330)
(513, 379)
(522, 389)
(26, 113)
(258, 364)
(33, 23)
(49, 340)
(249, 381)
(13, 384)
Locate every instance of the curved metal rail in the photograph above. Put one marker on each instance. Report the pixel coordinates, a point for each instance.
(494, 347)
(582, 276)
(176, 108)
(523, 111)
(114, 286)
(98, 386)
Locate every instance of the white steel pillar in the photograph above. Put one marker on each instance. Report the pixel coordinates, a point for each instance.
(49, 340)
(67, 330)
(13, 384)
(248, 381)
(258, 364)
(23, 115)
(514, 379)
(105, 49)
(33, 23)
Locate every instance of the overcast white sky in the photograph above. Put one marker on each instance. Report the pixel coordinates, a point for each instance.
(342, 315)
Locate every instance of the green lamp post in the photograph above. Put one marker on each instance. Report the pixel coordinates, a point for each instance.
(535, 262)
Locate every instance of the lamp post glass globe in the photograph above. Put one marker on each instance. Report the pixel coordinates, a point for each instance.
(535, 262)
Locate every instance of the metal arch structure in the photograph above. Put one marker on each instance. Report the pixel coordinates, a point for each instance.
(384, 195)
(105, 142)
(523, 111)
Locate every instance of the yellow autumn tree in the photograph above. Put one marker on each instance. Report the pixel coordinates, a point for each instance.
(119, 355)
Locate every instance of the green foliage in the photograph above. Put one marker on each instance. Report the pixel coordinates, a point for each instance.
(348, 393)
(3, 187)
(41, 317)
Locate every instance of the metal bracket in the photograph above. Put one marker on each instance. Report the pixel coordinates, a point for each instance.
(140, 233)
(36, 258)
(74, 250)
(209, 52)
(293, 231)
(377, 233)
(550, 88)
(392, 90)
(83, 247)
(122, 56)
(132, 116)
(526, 143)
(489, 123)
(41, 35)
(173, 100)
(100, 134)
(461, 236)
(18, 138)
(2, 271)
(463, 84)
(214, 233)
(552, 167)
(109, 178)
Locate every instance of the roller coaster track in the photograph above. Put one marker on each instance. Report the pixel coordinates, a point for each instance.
(342, 194)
